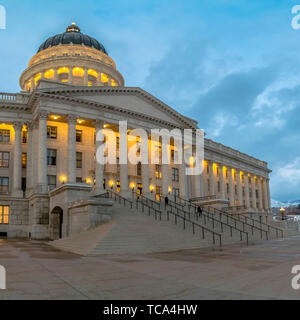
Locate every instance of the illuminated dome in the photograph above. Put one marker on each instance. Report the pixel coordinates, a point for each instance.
(72, 36)
(73, 58)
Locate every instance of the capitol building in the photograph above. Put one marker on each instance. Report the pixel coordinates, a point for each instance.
(49, 174)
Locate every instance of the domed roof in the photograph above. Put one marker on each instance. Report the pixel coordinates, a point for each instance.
(74, 36)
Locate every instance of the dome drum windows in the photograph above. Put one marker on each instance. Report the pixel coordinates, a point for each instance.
(63, 74)
(92, 77)
(104, 79)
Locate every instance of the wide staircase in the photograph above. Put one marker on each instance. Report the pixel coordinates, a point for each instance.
(142, 225)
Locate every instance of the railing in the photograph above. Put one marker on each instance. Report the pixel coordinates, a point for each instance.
(7, 96)
(140, 203)
(221, 214)
(114, 195)
(214, 222)
(154, 204)
(234, 208)
(212, 197)
(194, 224)
(247, 219)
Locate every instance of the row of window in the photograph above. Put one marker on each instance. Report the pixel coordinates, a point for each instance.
(4, 214)
(5, 158)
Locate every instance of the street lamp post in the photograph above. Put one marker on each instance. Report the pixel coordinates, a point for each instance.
(282, 211)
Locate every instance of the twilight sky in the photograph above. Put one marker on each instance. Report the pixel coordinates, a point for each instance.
(234, 65)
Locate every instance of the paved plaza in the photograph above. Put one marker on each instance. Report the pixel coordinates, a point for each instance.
(37, 271)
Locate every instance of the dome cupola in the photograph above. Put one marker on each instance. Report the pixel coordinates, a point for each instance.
(74, 58)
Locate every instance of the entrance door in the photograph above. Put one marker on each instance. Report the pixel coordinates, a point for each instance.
(140, 189)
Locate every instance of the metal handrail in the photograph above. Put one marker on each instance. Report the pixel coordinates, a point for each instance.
(150, 209)
(214, 221)
(194, 224)
(220, 212)
(119, 198)
(153, 202)
(261, 224)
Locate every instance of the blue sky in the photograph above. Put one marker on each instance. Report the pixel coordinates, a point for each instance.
(234, 65)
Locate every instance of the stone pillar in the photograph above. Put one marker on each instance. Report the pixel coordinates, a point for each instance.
(239, 187)
(17, 177)
(260, 196)
(247, 199)
(72, 120)
(123, 154)
(165, 179)
(269, 194)
(145, 168)
(85, 77)
(99, 167)
(70, 78)
(231, 191)
(253, 192)
(99, 82)
(42, 153)
(211, 179)
(265, 195)
(29, 168)
(222, 185)
(182, 180)
(55, 74)
(32, 84)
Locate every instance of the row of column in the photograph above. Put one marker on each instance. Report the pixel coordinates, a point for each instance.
(70, 77)
(262, 187)
(197, 181)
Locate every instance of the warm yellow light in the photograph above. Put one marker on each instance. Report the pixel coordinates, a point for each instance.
(64, 80)
(55, 117)
(151, 187)
(132, 185)
(192, 162)
(28, 85)
(37, 78)
(79, 121)
(90, 83)
(63, 70)
(105, 126)
(78, 72)
(113, 83)
(111, 183)
(49, 74)
(104, 77)
(93, 73)
(170, 189)
(282, 210)
(63, 179)
(88, 181)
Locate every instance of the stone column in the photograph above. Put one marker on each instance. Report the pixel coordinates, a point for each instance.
(123, 155)
(269, 194)
(145, 168)
(265, 195)
(99, 167)
(99, 82)
(29, 168)
(211, 179)
(253, 192)
(222, 185)
(42, 153)
(85, 77)
(70, 78)
(72, 120)
(55, 74)
(165, 179)
(231, 191)
(247, 199)
(239, 187)
(17, 177)
(32, 84)
(260, 196)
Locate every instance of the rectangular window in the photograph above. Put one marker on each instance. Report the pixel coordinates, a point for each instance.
(51, 157)
(78, 180)
(158, 174)
(51, 132)
(118, 143)
(176, 192)
(4, 159)
(78, 160)
(175, 174)
(4, 214)
(118, 165)
(157, 193)
(118, 186)
(235, 190)
(208, 186)
(78, 135)
(24, 160)
(219, 186)
(227, 188)
(52, 182)
(4, 135)
(4, 185)
(24, 136)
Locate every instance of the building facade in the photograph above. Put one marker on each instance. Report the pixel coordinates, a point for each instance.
(71, 92)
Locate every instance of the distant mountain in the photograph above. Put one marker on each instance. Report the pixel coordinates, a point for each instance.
(284, 204)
